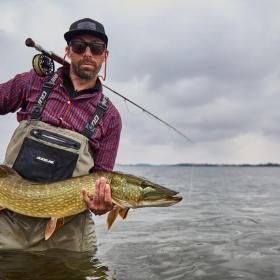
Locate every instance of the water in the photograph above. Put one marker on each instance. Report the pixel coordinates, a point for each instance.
(227, 227)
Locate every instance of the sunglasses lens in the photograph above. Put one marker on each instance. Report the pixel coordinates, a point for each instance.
(97, 48)
(80, 47)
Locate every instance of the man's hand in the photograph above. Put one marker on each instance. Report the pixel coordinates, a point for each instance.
(101, 202)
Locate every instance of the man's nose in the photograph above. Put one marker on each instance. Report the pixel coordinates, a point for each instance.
(87, 51)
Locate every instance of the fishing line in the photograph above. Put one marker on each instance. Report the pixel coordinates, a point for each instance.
(40, 67)
(129, 111)
(151, 114)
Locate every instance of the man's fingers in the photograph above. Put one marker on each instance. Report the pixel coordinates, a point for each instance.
(96, 196)
(86, 197)
(102, 187)
(97, 187)
(108, 196)
(102, 199)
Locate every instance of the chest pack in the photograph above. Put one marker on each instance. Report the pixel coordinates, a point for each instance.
(43, 152)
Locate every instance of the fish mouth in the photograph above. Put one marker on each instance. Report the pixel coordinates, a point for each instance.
(164, 202)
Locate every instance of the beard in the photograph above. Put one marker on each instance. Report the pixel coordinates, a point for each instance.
(83, 73)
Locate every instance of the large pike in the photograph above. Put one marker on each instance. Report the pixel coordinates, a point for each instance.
(64, 198)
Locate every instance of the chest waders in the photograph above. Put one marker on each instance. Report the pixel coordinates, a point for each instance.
(43, 152)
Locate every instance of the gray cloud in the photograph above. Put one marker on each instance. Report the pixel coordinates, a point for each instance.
(200, 40)
(209, 67)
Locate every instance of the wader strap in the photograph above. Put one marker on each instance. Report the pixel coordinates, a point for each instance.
(100, 110)
(43, 96)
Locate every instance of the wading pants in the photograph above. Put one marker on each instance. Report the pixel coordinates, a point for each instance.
(19, 232)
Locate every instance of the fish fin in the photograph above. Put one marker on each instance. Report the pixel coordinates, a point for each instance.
(113, 214)
(2, 207)
(50, 227)
(59, 223)
(123, 212)
(6, 170)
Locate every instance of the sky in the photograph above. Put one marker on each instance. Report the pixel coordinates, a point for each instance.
(210, 68)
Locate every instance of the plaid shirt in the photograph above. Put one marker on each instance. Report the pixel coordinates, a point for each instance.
(67, 110)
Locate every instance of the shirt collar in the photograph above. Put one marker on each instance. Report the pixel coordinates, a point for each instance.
(67, 82)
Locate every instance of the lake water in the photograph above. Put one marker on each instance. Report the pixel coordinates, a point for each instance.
(227, 227)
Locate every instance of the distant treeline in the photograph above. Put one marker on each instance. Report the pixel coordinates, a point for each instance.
(269, 164)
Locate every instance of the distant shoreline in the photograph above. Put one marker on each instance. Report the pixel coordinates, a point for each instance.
(205, 165)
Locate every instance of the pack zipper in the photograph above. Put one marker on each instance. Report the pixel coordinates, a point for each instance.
(54, 138)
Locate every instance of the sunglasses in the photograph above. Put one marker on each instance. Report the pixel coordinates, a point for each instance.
(79, 47)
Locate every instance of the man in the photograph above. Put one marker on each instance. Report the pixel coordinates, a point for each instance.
(67, 127)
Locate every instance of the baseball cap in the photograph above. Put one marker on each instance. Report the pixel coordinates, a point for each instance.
(86, 26)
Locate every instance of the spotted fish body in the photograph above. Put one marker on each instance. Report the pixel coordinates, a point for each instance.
(64, 198)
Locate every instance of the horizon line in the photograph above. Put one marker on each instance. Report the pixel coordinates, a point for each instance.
(269, 164)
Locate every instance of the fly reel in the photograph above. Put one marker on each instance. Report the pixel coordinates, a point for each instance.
(43, 65)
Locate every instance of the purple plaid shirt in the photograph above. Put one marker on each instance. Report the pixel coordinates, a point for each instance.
(61, 110)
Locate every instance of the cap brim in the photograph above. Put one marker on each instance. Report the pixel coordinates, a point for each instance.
(73, 33)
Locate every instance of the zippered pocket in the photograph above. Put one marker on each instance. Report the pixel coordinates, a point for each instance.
(41, 162)
(55, 138)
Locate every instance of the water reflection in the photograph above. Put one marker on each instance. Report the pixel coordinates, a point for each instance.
(51, 265)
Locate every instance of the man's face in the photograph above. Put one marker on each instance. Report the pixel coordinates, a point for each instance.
(86, 64)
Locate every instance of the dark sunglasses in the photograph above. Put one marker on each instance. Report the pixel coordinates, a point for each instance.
(79, 47)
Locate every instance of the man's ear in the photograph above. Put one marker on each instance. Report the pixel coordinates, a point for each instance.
(67, 51)
(106, 54)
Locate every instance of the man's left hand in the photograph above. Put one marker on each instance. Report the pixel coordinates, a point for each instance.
(101, 202)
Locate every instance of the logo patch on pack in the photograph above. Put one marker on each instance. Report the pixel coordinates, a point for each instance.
(45, 160)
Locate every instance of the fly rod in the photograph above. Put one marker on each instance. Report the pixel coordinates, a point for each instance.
(43, 65)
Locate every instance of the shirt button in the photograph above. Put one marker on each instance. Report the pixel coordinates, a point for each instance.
(68, 102)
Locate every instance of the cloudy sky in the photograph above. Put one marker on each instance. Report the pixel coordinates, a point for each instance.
(211, 68)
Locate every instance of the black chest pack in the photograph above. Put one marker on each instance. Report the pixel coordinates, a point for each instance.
(51, 153)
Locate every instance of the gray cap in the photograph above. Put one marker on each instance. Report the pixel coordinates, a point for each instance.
(86, 26)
